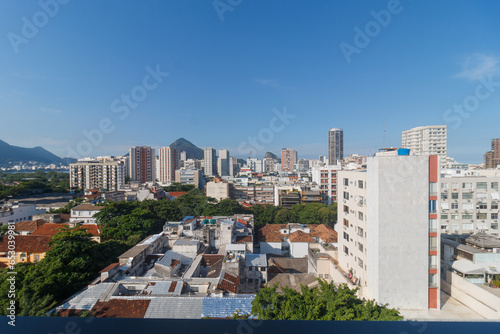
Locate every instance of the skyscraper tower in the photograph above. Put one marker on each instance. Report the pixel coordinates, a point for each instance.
(210, 161)
(142, 167)
(335, 146)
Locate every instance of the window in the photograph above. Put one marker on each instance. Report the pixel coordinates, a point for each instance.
(482, 206)
(346, 209)
(37, 258)
(444, 216)
(346, 195)
(444, 196)
(346, 222)
(494, 226)
(494, 185)
(467, 216)
(444, 186)
(346, 236)
(467, 196)
(346, 181)
(432, 206)
(432, 225)
(494, 215)
(481, 215)
(454, 196)
(360, 184)
(360, 215)
(494, 206)
(454, 206)
(360, 231)
(433, 189)
(433, 281)
(433, 262)
(360, 247)
(432, 243)
(482, 196)
(444, 227)
(467, 226)
(263, 269)
(346, 250)
(467, 185)
(482, 185)
(360, 263)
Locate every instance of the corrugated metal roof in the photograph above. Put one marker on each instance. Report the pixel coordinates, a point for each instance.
(217, 307)
(86, 299)
(256, 260)
(166, 260)
(175, 308)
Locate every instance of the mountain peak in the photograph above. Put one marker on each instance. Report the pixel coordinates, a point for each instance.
(11, 153)
(192, 151)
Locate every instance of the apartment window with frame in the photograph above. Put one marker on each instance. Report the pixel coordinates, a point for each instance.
(360, 184)
(454, 196)
(360, 263)
(494, 185)
(346, 236)
(444, 216)
(346, 181)
(494, 206)
(481, 216)
(467, 185)
(454, 216)
(467, 195)
(482, 185)
(346, 195)
(467, 226)
(360, 247)
(494, 215)
(346, 250)
(346, 209)
(360, 215)
(432, 243)
(454, 206)
(494, 226)
(346, 222)
(432, 225)
(360, 232)
(482, 206)
(444, 196)
(467, 216)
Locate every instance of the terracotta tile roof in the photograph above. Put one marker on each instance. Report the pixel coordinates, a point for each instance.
(211, 259)
(242, 240)
(29, 226)
(177, 193)
(229, 283)
(299, 236)
(121, 308)
(324, 232)
(276, 268)
(65, 217)
(271, 233)
(111, 266)
(242, 222)
(88, 207)
(51, 229)
(27, 243)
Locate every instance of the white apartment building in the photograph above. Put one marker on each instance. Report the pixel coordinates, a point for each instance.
(326, 178)
(224, 164)
(18, 212)
(469, 201)
(209, 162)
(106, 174)
(168, 163)
(85, 212)
(427, 140)
(387, 230)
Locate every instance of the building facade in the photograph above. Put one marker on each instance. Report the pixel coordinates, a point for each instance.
(326, 178)
(492, 158)
(209, 162)
(95, 174)
(223, 163)
(335, 146)
(427, 140)
(142, 164)
(288, 159)
(388, 230)
(168, 163)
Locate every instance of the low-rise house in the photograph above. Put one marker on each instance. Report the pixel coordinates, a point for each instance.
(51, 229)
(28, 248)
(28, 227)
(85, 212)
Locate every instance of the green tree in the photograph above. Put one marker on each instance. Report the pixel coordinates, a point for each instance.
(326, 302)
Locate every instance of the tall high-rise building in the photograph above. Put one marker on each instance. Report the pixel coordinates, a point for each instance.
(427, 140)
(167, 165)
(223, 163)
(209, 161)
(142, 164)
(492, 158)
(288, 159)
(388, 219)
(335, 146)
(106, 174)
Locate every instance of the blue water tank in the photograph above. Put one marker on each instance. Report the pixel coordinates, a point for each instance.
(403, 151)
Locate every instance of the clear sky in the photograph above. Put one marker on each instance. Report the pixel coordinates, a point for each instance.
(223, 67)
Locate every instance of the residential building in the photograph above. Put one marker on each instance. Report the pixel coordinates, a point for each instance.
(427, 140)
(288, 159)
(302, 165)
(256, 165)
(85, 213)
(142, 164)
(51, 229)
(13, 213)
(492, 158)
(29, 248)
(189, 176)
(326, 178)
(388, 225)
(168, 163)
(95, 173)
(335, 146)
(209, 162)
(223, 163)
(469, 201)
(217, 189)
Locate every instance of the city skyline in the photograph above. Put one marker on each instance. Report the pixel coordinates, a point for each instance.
(134, 84)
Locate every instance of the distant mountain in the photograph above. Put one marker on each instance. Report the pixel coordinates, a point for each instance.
(10, 153)
(272, 156)
(192, 151)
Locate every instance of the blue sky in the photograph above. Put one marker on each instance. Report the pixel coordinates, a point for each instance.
(226, 76)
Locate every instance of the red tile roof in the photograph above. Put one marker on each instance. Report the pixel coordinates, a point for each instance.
(29, 226)
(242, 240)
(27, 243)
(211, 259)
(177, 193)
(229, 283)
(88, 207)
(299, 236)
(52, 229)
(121, 308)
(172, 286)
(111, 266)
(324, 232)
